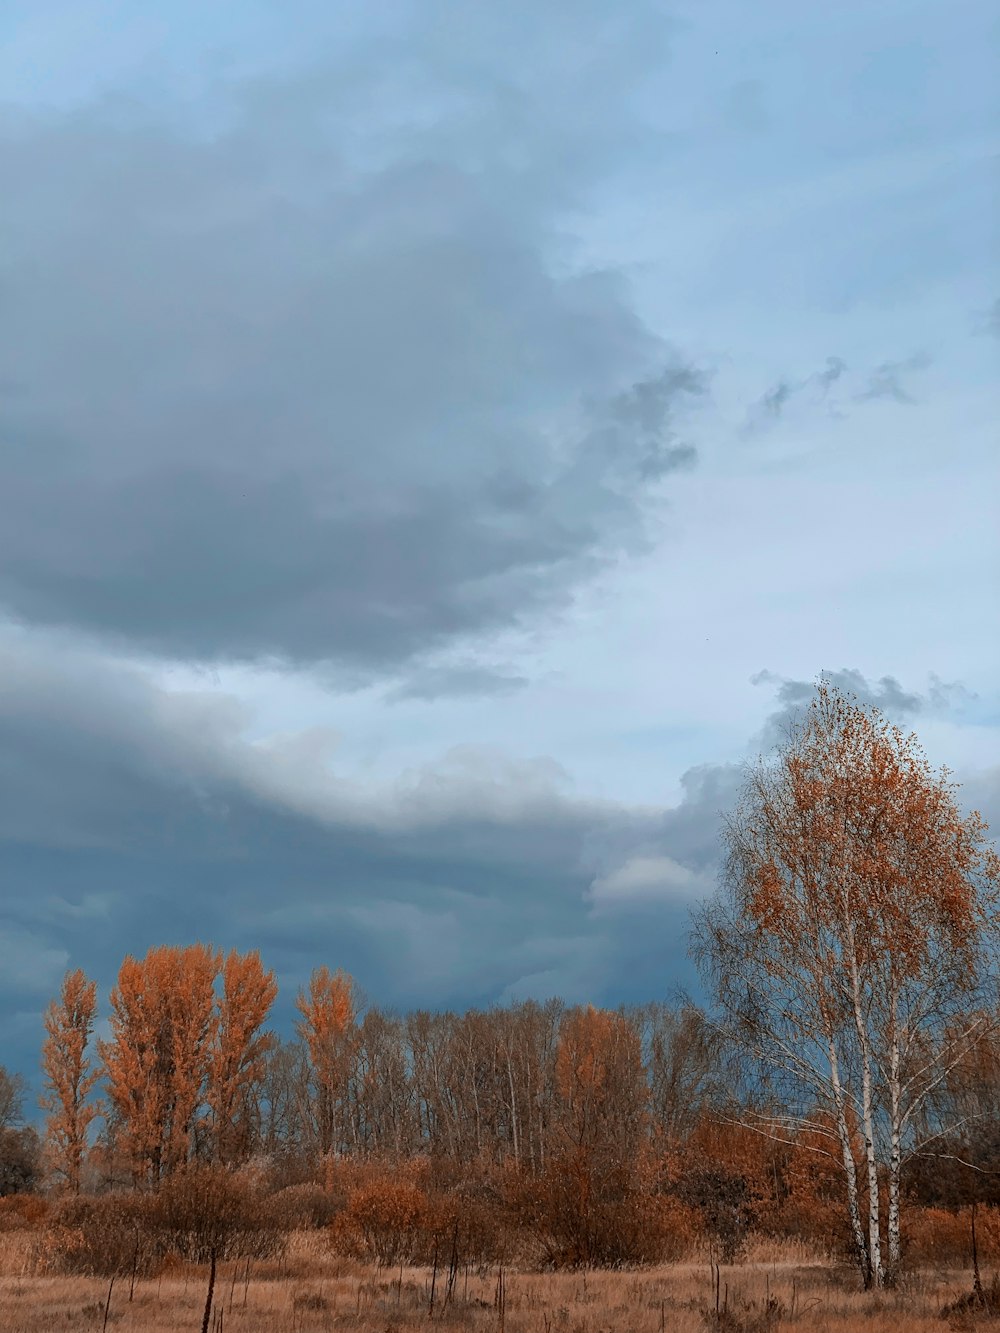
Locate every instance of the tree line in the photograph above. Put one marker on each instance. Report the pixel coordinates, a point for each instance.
(190, 1073)
(847, 1062)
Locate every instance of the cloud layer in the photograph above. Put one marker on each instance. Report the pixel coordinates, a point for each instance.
(132, 815)
(321, 385)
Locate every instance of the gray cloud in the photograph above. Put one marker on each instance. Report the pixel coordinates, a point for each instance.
(819, 390)
(637, 438)
(321, 386)
(989, 320)
(835, 368)
(464, 680)
(982, 792)
(888, 380)
(886, 694)
(772, 404)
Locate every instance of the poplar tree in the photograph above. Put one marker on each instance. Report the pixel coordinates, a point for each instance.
(157, 1064)
(328, 1009)
(239, 1058)
(69, 1076)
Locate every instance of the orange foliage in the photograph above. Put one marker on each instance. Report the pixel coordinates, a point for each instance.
(20, 1212)
(600, 1080)
(864, 836)
(69, 1079)
(852, 940)
(943, 1236)
(327, 1026)
(386, 1219)
(238, 1059)
(157, 1064)
(588, 1204)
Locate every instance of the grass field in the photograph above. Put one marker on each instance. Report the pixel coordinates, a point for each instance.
(310, 1291)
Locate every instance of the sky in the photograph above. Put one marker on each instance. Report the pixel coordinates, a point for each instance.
(441, 442)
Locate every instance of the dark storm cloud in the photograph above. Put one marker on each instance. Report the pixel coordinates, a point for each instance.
(318, 385)
(131, 816)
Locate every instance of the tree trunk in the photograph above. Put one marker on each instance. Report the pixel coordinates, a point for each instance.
(871, 1162)
(895, 1154)
(850, 1168)
(513, 1108)
(867, 1120)
(211, 1292)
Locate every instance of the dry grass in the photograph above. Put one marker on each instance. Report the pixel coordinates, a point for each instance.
(312, 1291)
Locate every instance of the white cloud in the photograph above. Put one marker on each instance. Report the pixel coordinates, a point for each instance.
(647, 880)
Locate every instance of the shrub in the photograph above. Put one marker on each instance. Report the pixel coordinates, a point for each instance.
(581, 1219)
(20, 1212)
(480, 1229)
(196, 1213)
(211, 1210)
(386, 1220)
(723, 1199)
(823, 1222)
(942, 1236)
(104, 1236)
(976, 1308)
(304, 1207)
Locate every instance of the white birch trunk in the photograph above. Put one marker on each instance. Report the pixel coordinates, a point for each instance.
(895, 1147)
(868, 1128)
(850, 1169)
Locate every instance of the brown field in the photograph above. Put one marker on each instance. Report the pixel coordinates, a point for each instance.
(311, 1290)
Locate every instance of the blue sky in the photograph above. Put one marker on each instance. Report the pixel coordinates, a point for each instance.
(438, 444)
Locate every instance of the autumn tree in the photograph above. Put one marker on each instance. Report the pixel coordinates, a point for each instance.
(11, 1099)
(19, 1144)
(327, 1026)
(286, 1104)
(157, 1064)
(238, 1057)
(530, 1038)
(588, 1195)
(849, 946)
(69, 1076)
(685, 1062)
(601, 1082)
(382, 1099)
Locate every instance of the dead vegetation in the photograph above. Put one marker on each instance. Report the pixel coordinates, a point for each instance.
(310, 1288)
(148, 1261)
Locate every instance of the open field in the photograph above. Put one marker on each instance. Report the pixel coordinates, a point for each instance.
(312, 1291)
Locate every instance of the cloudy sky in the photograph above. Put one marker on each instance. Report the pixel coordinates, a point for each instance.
(438, 440)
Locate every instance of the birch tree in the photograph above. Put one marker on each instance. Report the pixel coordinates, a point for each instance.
(850, 948)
